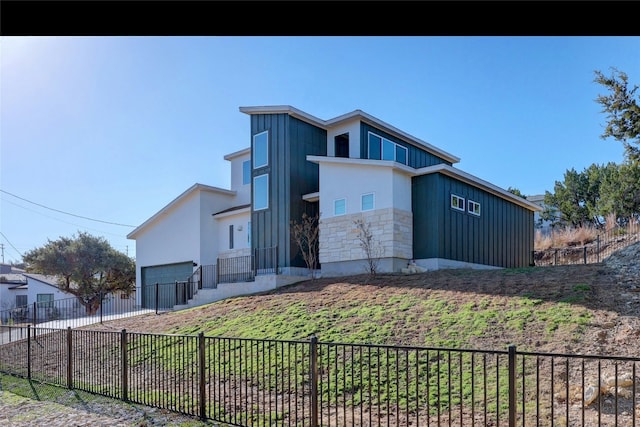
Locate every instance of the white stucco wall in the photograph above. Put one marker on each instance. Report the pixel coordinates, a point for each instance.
(353, 129)
(36, 287)
(186, 232)
(241, 244)
(243, 190)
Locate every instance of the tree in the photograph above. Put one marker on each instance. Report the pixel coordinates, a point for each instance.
(622, 106)
(369, 245)
(87, 267)
(516, 191)
(306, 233)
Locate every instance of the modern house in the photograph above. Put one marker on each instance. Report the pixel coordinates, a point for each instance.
(354, 166)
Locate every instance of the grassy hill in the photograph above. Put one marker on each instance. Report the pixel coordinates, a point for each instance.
(585, 309)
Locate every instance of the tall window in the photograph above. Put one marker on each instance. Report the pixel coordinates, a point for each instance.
(246, 172)
(261, 192)
(261, 149)
(231, 236)
(384, 149)
(367, 202)
(45, 300)
(340, 207)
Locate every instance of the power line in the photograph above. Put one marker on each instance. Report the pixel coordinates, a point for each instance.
(67, 213)
(11, 244)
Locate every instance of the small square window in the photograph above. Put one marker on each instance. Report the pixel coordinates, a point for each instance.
(367, 202)
(457, 202)
(474, 208)
(340, 207)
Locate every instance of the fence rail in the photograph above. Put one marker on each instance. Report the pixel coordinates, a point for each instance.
(604, 244)
(247, 382)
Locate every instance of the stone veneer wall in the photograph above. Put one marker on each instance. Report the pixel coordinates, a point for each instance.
(392, 228)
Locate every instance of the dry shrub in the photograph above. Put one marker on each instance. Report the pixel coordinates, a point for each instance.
(542, 241)
(610, 222)
(575, 236)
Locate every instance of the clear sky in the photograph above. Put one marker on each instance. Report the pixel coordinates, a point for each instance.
(101, 131)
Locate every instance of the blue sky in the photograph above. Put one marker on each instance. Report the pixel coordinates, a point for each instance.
(97, 131)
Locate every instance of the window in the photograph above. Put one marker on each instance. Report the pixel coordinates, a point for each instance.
(261, 149)
(384, 149)
(231, 236)
(246, 172)
(340, 207)
(45, 300)
(342, 145)
(261, 192)
(474, 207)
(457, 202)
(21, 300)
(367, 202)
(249, 234)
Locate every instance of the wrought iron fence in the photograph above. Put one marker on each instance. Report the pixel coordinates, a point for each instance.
(72, 312)
(247, 382)
(605, 244)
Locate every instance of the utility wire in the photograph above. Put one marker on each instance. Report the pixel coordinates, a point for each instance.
(67, 213)
(11, 244)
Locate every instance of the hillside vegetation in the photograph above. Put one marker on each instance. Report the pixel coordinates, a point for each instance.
(584, 309)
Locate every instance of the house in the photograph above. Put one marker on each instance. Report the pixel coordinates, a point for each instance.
(418, 205)
(13, 291)
(545, 226)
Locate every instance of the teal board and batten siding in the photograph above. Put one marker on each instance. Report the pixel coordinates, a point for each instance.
(290, 177)
(417, 157)
(501, 236)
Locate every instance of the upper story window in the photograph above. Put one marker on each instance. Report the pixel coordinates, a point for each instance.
(384, 149)
(474, 207)
(246, 172)
(261, 149)
(457, 202)
(368, 202)
(340, 207)
(261, 192)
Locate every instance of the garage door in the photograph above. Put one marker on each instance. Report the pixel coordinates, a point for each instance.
(165, 276)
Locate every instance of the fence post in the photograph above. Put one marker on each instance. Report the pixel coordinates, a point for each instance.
(512, 386)
(175, 301)
(598, 247)
(35, 313)
(217, 270)
(202, 369)
(28, 351)
(100, 306)
(276, 259)
(255, 262)
(69, 359)
(124, 365)
(555, 257)
(584, 254)
(313, 374)
(157, 297)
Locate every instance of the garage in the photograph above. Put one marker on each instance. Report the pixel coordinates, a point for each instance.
(165, 276)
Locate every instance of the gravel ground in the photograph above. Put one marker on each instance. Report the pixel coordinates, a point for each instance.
(80, 411)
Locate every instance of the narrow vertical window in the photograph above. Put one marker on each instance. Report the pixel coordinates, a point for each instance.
(249, 234)
(261, 149)
(261, 192)
(367, 202)
(246, 172)
(339, 207)
(231, 236)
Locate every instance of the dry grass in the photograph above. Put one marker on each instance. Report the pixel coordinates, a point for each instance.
(566, 237)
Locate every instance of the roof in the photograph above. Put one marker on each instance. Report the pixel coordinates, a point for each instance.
(12, 278)
(44, 278)
(194, 188)
(232, 209)
(336, 121)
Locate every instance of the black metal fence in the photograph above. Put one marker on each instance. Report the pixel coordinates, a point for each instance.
(605, 244)
(71, 312)
(248, 382)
